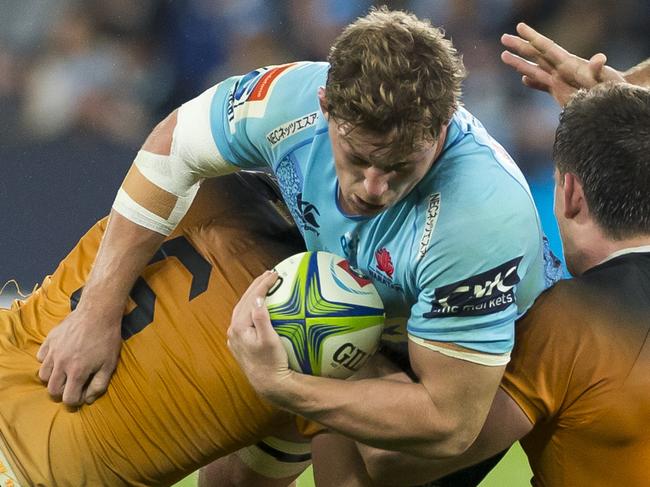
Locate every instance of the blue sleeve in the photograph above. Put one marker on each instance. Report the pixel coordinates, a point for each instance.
(252, 117)
(476, 311)
(486, 267)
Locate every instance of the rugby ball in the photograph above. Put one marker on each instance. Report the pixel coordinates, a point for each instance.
(329, 316)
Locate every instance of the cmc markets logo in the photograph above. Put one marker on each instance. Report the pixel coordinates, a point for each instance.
(350, 356)
(485, 293)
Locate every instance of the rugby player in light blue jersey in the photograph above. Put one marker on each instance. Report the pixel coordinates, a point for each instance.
(377, 161)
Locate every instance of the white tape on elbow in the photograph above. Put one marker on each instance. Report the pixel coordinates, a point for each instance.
(157, 192)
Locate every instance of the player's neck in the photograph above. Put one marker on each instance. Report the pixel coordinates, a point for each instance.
(634, 244)
(600, 248)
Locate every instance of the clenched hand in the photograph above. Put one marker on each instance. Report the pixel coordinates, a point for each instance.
(255, 344)
(79, 356)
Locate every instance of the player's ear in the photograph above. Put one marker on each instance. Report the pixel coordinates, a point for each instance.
(322, 101)
(574, 196)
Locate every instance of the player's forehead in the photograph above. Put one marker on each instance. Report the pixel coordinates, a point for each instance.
(377, 147)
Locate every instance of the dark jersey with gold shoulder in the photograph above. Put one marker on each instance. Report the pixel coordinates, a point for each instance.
(581, 373)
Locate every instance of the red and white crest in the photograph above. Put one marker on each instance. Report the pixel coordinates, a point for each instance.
(384, 262)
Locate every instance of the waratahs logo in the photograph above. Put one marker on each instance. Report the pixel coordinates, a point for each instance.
(384, 262)
(382, 272)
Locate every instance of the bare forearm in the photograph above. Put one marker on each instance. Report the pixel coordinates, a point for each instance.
(124, 252)
(639, 74)
(79, 355)
(439, 416)
(126, 247)
(505, 424)
(382, 413)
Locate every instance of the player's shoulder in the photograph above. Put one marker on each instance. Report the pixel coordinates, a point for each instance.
(565, 299)
(278, 92)
(473, 160)
(294, 101)
(598, 329)
(594, 301)
(475, 196)
(274, 106)
(620, 285)
(481, 189)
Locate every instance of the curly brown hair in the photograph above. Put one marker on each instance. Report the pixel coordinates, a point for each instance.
(392, 73)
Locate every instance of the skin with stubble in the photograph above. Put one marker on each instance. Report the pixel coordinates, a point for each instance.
(370, 177)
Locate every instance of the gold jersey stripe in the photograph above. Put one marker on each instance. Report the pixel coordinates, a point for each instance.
(148, 195)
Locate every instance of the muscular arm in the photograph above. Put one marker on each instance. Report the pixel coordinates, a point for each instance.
(506, 423)
(438, 417)
(87, 343)
(126, 247)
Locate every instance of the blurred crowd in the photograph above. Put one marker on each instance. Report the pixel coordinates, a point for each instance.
(83, 81)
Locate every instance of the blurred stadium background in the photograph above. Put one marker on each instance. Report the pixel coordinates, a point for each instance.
(82, 82)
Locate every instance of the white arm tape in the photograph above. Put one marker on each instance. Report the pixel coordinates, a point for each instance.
(194, 156)
(491, 360)
(131, 210)
(169, 175)
(193, 141)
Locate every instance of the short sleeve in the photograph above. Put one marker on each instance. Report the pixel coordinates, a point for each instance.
(254, 116)
(484, 264)
(468, 296)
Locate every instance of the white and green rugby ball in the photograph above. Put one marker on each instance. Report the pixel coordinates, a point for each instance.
(329, 316)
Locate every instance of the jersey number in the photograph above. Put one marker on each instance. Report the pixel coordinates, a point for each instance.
(144, 297)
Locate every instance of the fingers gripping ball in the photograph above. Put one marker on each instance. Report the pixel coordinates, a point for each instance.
(329, 317)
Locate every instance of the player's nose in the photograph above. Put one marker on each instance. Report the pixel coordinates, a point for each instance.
(375, 182)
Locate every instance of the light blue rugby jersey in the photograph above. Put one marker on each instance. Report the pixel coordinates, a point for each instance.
(457, 260)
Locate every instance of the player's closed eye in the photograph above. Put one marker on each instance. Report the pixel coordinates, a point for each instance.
(358, 162)
(398, 167)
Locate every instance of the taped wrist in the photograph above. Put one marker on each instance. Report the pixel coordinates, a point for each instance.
(156, 192)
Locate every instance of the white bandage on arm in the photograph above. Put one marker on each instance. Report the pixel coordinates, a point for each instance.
(193, 141)
(491, 360)
(158, 189)
(156, 192)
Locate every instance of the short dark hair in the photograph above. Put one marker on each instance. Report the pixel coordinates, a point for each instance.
(604, 139)
(392, 72)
